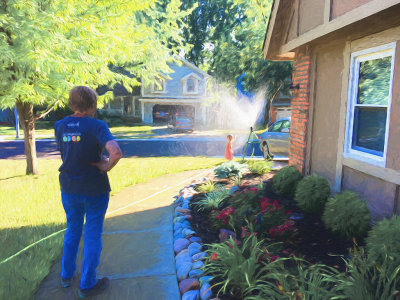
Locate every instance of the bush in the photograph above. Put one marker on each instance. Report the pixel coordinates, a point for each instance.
(230, 169)
(213, 200)
(346, 215)
(259, 167)
(383, 241)
(208, 186)
(285, 181)
(312, 192)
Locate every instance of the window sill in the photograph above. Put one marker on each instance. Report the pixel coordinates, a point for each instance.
(380, 172)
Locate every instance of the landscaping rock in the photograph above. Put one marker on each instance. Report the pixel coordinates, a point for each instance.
(180, 244)
(185, 205)
(183, 211)
(183, 270)
(224, 235)
(187, 232)
(205, 292)
(178, 236)
(195, 239)
(183, 252)
(178, 208)
(205, 279)
(181, 226)
(179, 219)
(188, 285)
(196, 273)
(198, 265)
(234, 189)
(188, 217)
(199, 256)
(194, 248)
(191, 295)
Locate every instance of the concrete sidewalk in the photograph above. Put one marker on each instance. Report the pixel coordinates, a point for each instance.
(137, 245)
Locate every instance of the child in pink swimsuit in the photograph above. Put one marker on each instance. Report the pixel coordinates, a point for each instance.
(228, 149)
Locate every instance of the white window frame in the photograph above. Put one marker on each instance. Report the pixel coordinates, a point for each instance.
(356, 58)
(196, 82)
(164, 86)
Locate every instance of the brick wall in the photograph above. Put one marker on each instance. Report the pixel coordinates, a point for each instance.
(300, 106)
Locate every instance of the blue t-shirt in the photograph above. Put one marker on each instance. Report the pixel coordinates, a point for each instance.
(81, 141)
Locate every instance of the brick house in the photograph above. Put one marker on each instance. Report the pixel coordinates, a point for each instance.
(345, 110)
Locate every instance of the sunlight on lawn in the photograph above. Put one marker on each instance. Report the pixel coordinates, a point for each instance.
(30, 209)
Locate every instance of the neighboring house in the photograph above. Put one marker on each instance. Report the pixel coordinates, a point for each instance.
(345, 112)
(280, 107)
(183, 90)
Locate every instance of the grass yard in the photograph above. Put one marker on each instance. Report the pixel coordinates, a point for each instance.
(30, 209)
(44, 129)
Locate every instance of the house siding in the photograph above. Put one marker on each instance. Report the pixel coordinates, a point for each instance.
(340, 7)
(174, 86)
(324, 135)
(311, 14)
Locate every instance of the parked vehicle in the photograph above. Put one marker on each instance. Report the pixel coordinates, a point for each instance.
(181, 122)
(276, 138)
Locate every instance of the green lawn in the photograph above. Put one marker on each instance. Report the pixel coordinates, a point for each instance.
(44, 129)
(30, 209)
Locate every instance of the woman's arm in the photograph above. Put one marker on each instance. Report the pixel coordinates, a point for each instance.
(115, 152)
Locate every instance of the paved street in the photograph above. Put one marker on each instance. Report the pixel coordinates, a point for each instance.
(200, 146)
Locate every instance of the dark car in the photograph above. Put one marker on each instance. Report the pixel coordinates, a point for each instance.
(276, 138)
(181, 122)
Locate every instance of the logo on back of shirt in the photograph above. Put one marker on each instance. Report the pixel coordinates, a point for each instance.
(72, 137)
(73, 124)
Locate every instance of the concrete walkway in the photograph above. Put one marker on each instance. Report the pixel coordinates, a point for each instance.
(137, 244)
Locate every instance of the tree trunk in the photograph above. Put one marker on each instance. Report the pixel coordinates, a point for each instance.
(268, 105)
(25, 114)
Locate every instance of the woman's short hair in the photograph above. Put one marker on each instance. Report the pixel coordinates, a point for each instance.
(82, 98)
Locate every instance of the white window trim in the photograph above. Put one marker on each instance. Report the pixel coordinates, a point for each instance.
(357, 57)
(196, 87)
(164, 87)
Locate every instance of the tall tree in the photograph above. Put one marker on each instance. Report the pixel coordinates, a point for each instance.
(48, 46)
(227, 38)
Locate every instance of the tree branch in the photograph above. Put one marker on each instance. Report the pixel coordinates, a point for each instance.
(45, 113)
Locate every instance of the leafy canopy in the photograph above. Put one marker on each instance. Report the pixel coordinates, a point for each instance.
(49, 46)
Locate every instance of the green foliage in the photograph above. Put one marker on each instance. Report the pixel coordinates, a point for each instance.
(383, 241)
(259, 167)
(227, 38)
(346, 215)
(237, 265)
(285, 181)
(208, 186)
(213, 200)
(312, 192)
(367, 280)
(230, 169)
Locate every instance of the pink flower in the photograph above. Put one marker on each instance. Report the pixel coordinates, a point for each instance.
(274, 258)
(253, 188)
(214, 256)
(272, 232)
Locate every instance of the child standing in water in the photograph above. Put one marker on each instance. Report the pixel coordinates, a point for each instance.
(228, 149)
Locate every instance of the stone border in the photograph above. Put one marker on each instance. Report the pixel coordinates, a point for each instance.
(189, 257)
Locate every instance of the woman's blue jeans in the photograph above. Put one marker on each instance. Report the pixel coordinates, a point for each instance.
(76, 208)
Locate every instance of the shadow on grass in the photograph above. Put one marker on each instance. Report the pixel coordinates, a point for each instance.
(132, 244)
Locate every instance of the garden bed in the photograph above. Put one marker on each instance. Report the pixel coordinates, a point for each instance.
(264, 243)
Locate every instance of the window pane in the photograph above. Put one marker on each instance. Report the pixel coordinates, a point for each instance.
(286, 124)
(369, 130)
(159, 85)
(190, 85)
(374, 81)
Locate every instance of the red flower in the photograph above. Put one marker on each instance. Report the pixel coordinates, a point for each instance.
(214, 256)
(272, 232)
(274, 258)
(253, 188)
(289, 212)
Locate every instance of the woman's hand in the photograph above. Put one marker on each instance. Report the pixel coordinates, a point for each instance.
(106, 164)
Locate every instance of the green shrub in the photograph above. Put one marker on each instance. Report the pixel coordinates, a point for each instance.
(383, 241)
(213, 200)
(259, 167)
(346, 215)
(230, 169)
(236, 266)
(206, 187)
(285, 181)
(367, 280)
(312, 192)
